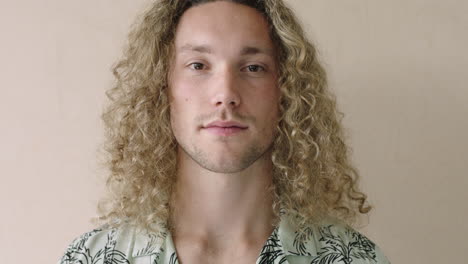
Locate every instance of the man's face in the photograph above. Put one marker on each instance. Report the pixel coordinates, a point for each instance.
(223, 71)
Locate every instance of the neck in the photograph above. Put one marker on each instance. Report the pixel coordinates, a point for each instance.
(222, 208)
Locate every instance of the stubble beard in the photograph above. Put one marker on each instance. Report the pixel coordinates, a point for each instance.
(234, 164)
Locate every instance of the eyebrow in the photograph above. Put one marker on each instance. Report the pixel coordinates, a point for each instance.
(247, 50)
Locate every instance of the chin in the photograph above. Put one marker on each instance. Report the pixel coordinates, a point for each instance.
(225, 169)
(223, 165)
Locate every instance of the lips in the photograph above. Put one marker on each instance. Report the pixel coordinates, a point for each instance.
(225, 131)
(225, 128)
(226, 124)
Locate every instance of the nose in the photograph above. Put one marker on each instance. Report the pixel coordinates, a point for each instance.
(226, 90)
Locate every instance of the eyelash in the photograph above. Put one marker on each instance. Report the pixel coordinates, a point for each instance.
(256, 65)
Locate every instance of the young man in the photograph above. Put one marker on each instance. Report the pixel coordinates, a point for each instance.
(225, 146)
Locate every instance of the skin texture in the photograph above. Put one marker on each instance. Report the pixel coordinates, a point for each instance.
(221, 211)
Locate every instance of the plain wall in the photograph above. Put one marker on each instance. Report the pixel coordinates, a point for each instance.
(398, 67)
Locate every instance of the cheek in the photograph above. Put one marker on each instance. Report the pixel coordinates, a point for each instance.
(184, 91)
(179, 109)
(182, 107)
(181, 94)
(266, 101)
(270, 108)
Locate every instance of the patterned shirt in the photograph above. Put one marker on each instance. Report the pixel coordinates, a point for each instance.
(325, 244)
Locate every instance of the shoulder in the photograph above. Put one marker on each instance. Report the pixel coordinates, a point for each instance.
(331, 243)
(341, 241)
(96, 245)
(110, 245)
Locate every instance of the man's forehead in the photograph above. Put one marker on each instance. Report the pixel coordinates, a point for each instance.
(229, 28)
(243, 50)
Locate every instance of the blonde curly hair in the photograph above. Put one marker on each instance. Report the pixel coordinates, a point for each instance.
(313, 179)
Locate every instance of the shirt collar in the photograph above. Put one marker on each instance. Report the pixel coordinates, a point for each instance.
(285, 240)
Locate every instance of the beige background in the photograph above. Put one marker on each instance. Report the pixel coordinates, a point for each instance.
(399, 68)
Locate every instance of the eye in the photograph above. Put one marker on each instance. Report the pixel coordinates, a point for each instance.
(196, 66)
(255, 68)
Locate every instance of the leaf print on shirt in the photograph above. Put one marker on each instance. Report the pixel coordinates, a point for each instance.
(151, 245)
(173, 259)
(299, 242)
(359, 247)
(272, 252)
(78, 252)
